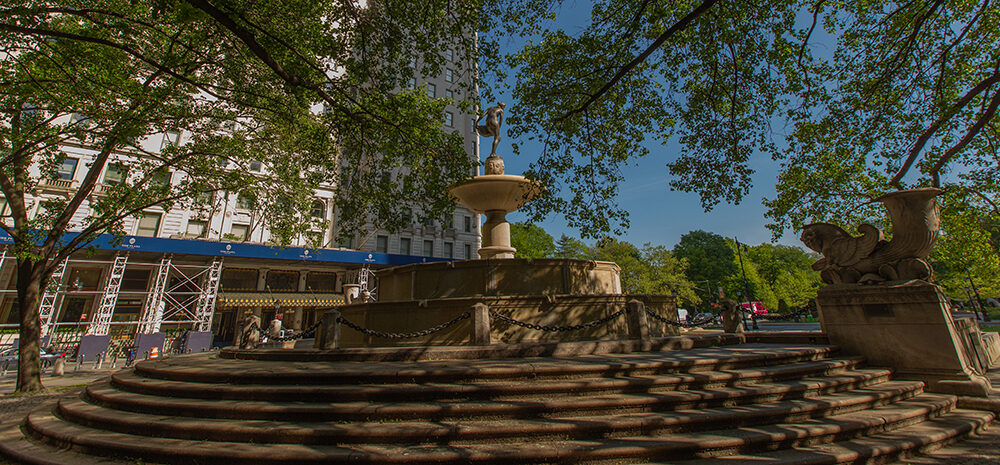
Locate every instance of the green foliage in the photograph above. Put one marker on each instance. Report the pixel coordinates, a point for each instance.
(709, 257)
(531, 241)
(570, 247)
(246, 81)
(649, 270)
(874, 95)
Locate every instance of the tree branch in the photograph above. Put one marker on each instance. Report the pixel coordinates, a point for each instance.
(944, 118)
(625, 70)
(973, 131)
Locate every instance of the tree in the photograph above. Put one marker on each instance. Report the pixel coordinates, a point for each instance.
(650, 270)
(876, 96)
(243, 80)
(531, 241)
(570, 247)
(787, 271)
(710, 258)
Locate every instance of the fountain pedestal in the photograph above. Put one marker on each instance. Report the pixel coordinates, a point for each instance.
(495, 195)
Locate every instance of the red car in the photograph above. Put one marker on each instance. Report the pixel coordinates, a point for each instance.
(757, 307)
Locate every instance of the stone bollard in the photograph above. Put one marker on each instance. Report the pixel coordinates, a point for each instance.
(480, 335)
(328, 337)
(59, 367)
(732, 319)
(79, 362)
(638, 324)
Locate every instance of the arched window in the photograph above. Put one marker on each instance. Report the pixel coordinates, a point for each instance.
(318, 210)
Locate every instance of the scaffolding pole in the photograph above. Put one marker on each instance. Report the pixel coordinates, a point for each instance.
(152, 312)
(46, 310)
(206, 300)
(102, 320)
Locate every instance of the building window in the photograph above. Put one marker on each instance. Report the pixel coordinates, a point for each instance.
(135, 280)
(382, 244)
(404, 246)
(149, 224)
(449, 75)
(115, 174)
(468, 224)
(468, 252)
(256, 166)
(315, 239)
(160, 179)
(451, 222)
(449, 94)
(67, 169)
(408, 215)
(449, 119)
(412, 84)
(321, 281)
(244, 202)
(196, 228)
(432, 91)
(318, 210)
(282, 281)
(449, 250)
(428, 248)
(238, 279)
(450, 54)
(240, 231)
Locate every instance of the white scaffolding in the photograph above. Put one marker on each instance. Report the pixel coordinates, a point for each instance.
(46, 309)
(152, 311)
(102, 320)
(190, 298)
(206, 300)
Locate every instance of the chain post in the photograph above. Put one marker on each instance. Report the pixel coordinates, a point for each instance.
(329, 331)
(480, 325)
(638, 324)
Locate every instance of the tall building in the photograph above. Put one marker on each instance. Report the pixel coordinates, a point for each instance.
(202, 267)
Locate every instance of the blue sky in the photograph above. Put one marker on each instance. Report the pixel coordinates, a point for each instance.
(657, 214)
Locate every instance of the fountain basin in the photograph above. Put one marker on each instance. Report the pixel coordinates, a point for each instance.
(507, 277)
(496, 192)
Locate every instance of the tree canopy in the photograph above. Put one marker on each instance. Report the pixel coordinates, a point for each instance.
(531, 241)
(313, 90)
(852, 99)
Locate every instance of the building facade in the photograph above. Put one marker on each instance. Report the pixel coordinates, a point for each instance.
(202, 267)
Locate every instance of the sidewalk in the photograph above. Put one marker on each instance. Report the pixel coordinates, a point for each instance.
(87, 374)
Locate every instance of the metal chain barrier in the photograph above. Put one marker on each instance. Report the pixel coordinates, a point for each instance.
(802, 312)
(549, 328)
(308, 332)
(384, 335)
(693, 324)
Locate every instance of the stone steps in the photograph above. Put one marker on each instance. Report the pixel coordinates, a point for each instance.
(207, 369)
(721, 446)
(106, 396)
(734, 403)
(484, 389)
(508, 430)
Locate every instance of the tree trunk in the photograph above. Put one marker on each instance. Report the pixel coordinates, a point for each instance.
(29, 287)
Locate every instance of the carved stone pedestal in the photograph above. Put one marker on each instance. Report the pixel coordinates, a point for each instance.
(905, 326)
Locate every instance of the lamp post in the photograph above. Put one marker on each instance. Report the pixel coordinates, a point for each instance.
(746, 286)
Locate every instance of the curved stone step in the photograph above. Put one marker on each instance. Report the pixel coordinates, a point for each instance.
(879, 448)
(516, 350)
(887, 444)
(416, 432)
(104, 394)
(131, 382)
(211, 369)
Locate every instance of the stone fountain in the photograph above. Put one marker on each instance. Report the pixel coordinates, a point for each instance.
(549, 291)
(495, 193)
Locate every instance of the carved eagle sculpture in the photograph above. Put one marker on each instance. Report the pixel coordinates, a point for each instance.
(841, 251)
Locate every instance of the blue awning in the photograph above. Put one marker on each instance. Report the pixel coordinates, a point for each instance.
(241, 250)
